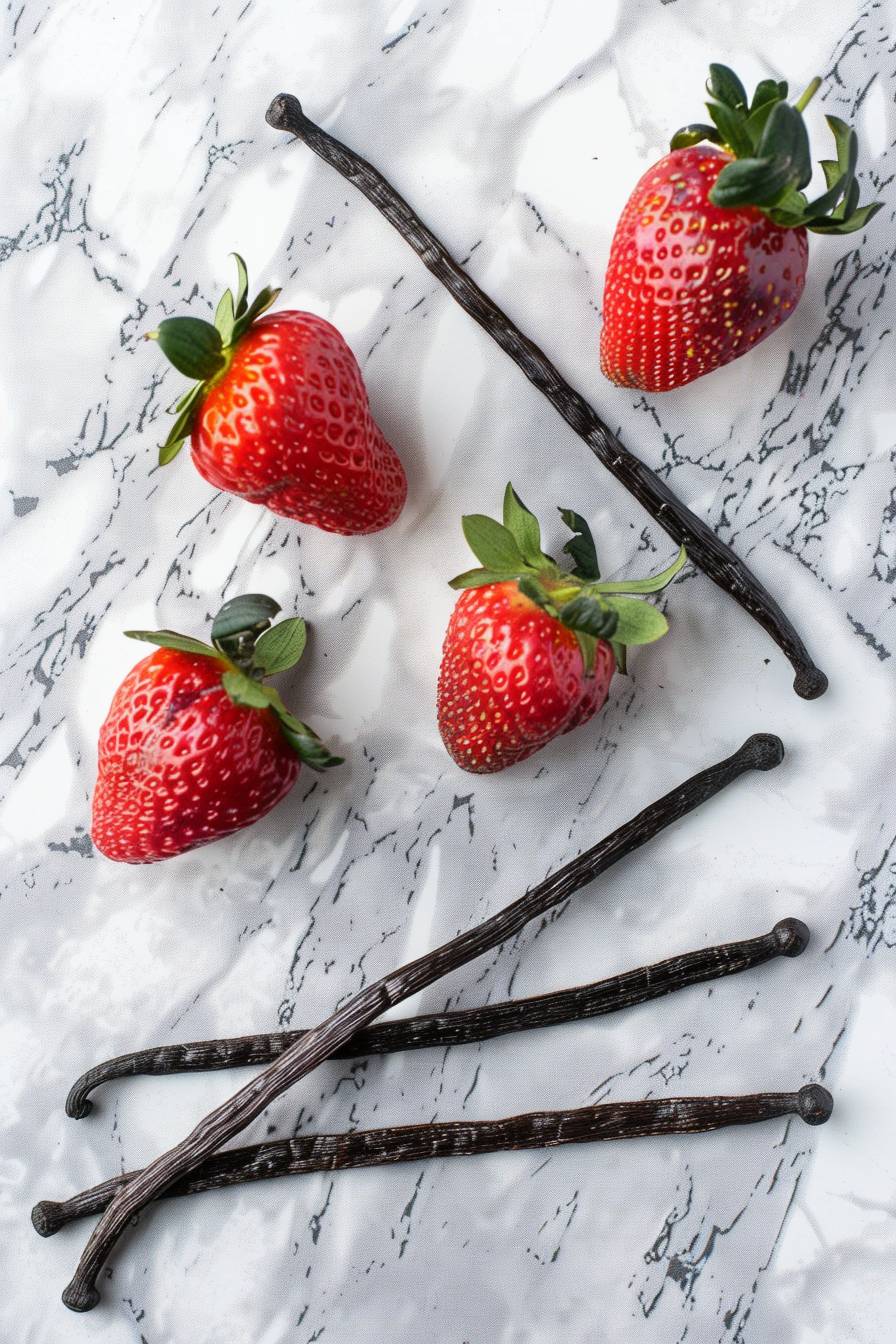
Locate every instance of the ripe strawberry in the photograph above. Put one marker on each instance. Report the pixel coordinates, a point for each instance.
(530, 650)
(195, 745)
(280, 415)
(710, 253)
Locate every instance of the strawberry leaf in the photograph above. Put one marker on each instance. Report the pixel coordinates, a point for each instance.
(260, 304)
(307, 745)
(732, 128)
(637, 622)
(248, 613)
(192, 345)
(281, 647)
(478, 578)
(532, 589)
(790, 210)
(841, 179)
(587, 648)
(857, 220)
(225, 317)
(523, 527)
(493, 545)
(580, 548)
(244, 691)
(188, 397)
(831, 170)
(590, 615)
(786, 140)
(239, 624)
(756, 122)
(242, 285)
(169, 450)
(824, 206)
(725, 87)
(180, 430)
(847, 206)
(654, 584)
(620, 653)
(768, 91)
(845, 216)
(844, 136)
(693, 134)
(303, 740)
(170, 639)
(752, 182)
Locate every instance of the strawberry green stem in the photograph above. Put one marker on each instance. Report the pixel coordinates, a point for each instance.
(808, 94)
(564, 594)
(771, 161)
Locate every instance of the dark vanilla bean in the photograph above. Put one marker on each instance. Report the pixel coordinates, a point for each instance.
(763, 751)
(788, 938)
(417, 1143)
(705, 549)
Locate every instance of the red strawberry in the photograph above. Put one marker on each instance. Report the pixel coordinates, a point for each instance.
(710, 253)
(195, 745)
(280, 415)
(530, 650)
(512, 678)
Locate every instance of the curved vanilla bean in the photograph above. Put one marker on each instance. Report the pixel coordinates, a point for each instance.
(763, 751)
(788, 938)
(454, 1138)
(704, 548)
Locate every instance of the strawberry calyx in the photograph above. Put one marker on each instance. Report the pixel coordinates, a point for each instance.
(250, 648)
(591, 608)
(771, 160)
(203, 350)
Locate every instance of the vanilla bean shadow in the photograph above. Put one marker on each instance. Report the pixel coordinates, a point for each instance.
(717, 561)
(788, 938)
(763, 751)
(418, 1143)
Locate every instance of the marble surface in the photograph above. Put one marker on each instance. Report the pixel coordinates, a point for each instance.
(136, 157)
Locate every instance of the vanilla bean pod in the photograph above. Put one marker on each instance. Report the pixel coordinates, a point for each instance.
(717, 561)
(788, 938)
(454, 1138)
(763, 751)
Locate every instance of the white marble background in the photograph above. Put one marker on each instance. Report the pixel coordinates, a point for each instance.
(135, 157)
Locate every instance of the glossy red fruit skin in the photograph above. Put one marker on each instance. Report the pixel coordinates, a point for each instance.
(690, 285)
(511, 679)
(180, 764)
(288, 425)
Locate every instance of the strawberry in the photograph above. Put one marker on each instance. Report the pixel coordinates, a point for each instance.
(195, 745)
(710, 253)
(280, 415)
(530, 650)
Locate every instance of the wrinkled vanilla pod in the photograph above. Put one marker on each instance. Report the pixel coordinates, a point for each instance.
(788, 938)
(704, 548)
(416, 1143)
(762, 751)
